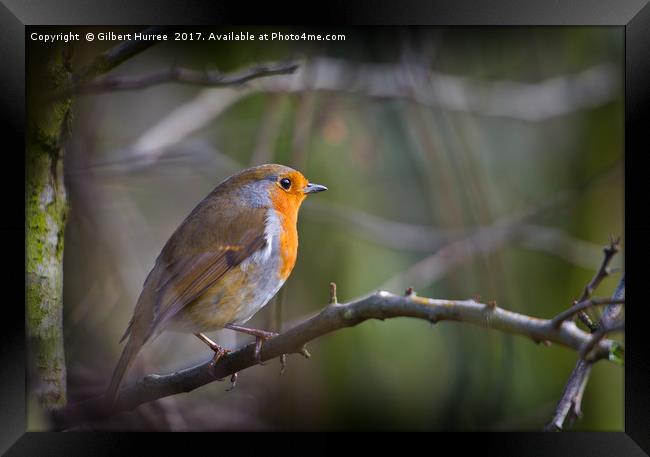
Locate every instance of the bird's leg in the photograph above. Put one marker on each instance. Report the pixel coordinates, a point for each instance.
(218, 350)
(260, 337)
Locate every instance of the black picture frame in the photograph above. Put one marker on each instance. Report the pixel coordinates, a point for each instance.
(15, 15)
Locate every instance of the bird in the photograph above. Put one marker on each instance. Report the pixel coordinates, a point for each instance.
(222, 264)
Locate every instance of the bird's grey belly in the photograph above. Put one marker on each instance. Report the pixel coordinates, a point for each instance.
(264, 282)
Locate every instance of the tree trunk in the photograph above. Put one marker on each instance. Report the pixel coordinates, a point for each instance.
(45, 216)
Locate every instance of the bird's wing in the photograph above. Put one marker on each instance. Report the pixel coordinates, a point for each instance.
(187, 272)
(191, 278)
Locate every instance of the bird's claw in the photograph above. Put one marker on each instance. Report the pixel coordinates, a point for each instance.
(218, 353)
(260, 338)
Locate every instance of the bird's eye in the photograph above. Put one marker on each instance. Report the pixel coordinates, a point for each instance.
(285, 183)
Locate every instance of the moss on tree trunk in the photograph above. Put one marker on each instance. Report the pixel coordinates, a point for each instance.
(45, 216)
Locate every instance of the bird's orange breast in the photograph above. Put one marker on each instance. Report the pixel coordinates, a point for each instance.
(287, 208)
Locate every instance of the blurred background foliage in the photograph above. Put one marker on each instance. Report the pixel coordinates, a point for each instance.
(405, 178)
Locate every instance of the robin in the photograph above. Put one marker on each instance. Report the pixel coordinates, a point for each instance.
(225, 261)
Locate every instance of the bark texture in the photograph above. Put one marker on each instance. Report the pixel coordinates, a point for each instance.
(46, 208)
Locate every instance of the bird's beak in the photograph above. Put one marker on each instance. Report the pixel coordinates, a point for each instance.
(313, 188)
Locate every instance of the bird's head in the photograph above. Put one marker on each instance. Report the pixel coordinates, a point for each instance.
(276, 186)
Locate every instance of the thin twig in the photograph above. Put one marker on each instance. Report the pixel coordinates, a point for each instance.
(381, 305)
(564, 315)
(187, 76)
(610, 251)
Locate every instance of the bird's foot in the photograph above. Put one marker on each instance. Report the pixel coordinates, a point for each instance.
(260, 337)
(218, 351)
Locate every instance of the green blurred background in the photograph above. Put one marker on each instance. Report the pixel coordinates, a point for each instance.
(422, 135)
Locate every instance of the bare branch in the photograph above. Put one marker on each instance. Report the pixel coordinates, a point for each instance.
(570, 404)
(571, 400)
(187, 76)
(381, 305)
(610, 251)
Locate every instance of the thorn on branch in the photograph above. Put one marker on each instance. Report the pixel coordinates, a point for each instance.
(233, 382)
(333, 300)
(304, 352)
(409, 292)
(546, 343)
(614, 244)
(491, 305)
(576, 409)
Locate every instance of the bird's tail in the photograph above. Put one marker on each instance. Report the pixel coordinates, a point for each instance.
(131, 350)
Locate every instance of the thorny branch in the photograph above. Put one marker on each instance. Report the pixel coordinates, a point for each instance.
(381, 305)
(569, 406)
